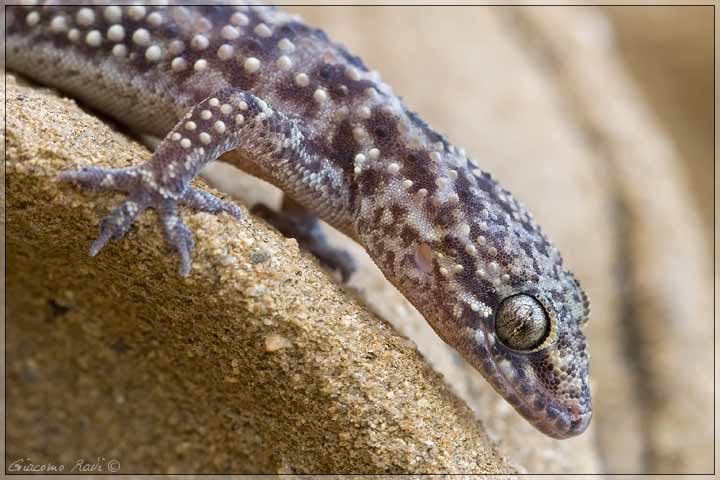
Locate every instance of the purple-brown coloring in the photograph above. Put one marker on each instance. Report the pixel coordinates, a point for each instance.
(267, 93)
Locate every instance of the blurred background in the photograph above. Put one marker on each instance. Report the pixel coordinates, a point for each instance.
(668, 51)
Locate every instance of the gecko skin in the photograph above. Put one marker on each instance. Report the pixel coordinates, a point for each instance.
(279, 100)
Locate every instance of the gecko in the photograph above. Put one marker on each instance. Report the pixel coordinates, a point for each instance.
(256, 87)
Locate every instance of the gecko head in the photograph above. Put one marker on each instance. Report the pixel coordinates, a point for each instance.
(473, 261)
(495, 289)
(523, 333)
(536, 356)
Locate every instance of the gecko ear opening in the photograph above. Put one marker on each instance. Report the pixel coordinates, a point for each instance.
(424, 258)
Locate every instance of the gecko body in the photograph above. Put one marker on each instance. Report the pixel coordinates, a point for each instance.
(258, 88)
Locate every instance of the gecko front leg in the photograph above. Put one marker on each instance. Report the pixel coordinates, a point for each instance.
(229, 119)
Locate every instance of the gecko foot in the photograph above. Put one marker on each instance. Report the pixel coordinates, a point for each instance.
(142, 196)
(305, 228)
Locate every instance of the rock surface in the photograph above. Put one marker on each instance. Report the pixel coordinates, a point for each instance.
(256, 363)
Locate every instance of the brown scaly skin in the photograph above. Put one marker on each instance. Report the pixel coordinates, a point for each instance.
(278, 99)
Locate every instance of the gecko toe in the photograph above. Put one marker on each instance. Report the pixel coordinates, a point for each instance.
(117, 224)
(179, 236)
(207, 202)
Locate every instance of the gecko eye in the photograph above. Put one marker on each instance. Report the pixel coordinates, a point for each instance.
(521, 323)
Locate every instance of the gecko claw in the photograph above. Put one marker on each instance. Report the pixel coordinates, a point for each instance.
(99, 242)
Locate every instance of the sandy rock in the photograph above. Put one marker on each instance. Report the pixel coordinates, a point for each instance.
(245, 366)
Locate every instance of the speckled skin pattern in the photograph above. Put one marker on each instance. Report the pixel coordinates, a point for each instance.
(278, 99)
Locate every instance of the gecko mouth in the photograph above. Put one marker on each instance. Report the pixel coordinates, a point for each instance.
(552, 416)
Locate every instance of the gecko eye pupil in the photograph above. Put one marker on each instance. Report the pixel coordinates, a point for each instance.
(521, 323)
